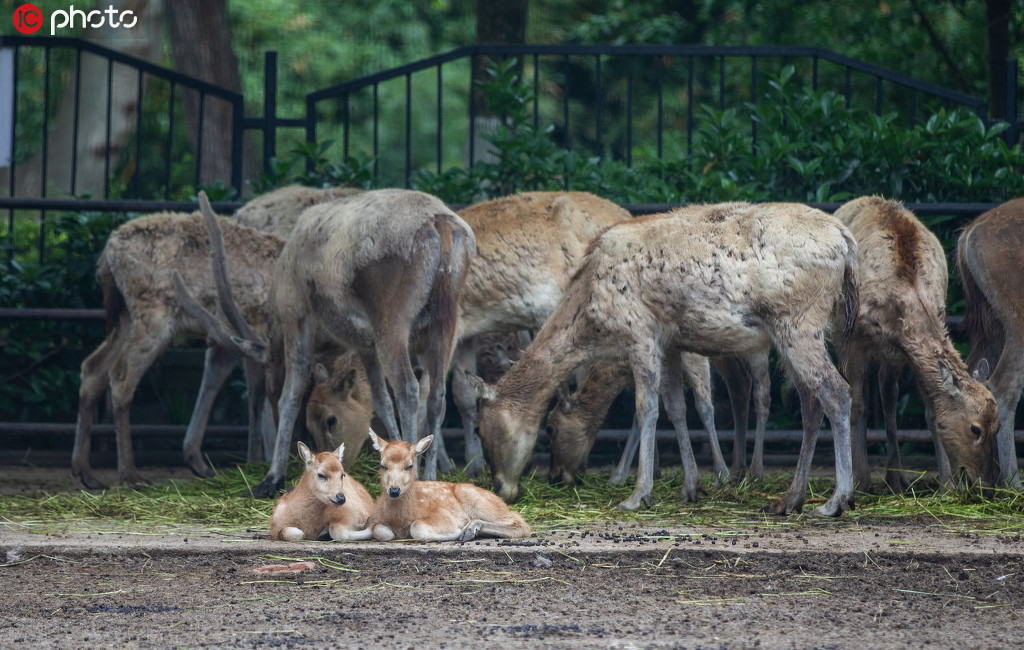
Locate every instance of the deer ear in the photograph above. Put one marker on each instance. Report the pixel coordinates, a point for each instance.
(949, 382)
(320, 374)
(504, 362)
(484, 391)
(340, 451)
(347, 384)
(305, 454)
(564, 399)
(423, 445)
(377, 444)
(982, 372)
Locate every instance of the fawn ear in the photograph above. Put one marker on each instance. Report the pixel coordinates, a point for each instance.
(340, 451)
(377, 443)
(484, 391)
(320, 374)
(422, 445)
(305, 454)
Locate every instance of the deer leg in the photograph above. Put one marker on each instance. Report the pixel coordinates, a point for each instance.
(444, 463)
(146, 341)
(621, 472)
(256, 380)
(762, 381)
(696, 370)
(464, 396)
(889, 388)
(737, 384)
(674, 397)
(298, 359)
(941, 459)
(380, 396)
(646, 365)
(810, 415)
(95, 381)
(856, 369)
(1006, 383)
(217, 366)
(510, 528)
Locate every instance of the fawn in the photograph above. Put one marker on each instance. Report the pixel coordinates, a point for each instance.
(325, 500)
(433, 511)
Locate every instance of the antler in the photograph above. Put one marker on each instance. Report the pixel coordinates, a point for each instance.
(220, 275)
(215, 329)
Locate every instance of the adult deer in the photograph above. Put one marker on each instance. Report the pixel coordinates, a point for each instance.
(528, 247)
(727, 279)
(574, 423)
(902, 321)
(379, 272)
(989, 258)
(143, 269)
(273, 214)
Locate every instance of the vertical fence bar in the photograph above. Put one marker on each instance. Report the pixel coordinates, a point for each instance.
(597, 102)
(629, 111)
(472, 110)
(536, 92)
(1012, 134)
(46, 147)
(310, 128)
(689, 108)
(269, 108)
(199, 140)
(753, 100)
(106, 148)
(237, 115)
(14, 132)
(74, 124)
(661, 103)
(345, 106)
(137, 176)
(376, 130)
(565, 117)
(408, 127)
(440, 121)
(721, 82)
(170, 142)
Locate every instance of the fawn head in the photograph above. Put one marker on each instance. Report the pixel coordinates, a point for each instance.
(327, 474)
(398, 463)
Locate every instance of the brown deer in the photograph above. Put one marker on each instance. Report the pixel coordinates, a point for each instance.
(574, 423)
(142, 270)
(728, 279)
(989, 258)
(326, 500)
(379, 272)
(274, 214)
(902, 321)
(528, 247)
(433, 511)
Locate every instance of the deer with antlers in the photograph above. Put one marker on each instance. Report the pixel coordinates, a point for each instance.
(157, 283)
(727, 279)
(902, 321)
(989, 258)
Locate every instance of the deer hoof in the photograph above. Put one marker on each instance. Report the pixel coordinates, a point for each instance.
(133, 480)
(787, 505)
(837, 505)
(198, 467)
(468, 533)
(91, 482)
(267, 488)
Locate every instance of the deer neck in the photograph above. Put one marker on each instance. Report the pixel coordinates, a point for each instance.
(926, 344)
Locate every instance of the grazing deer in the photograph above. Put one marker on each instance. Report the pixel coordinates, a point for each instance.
(433, 511)
(143, 268)
(528, 247)
(728, 279)
(989, 258)
(902, 321)
(379, 272)
(574, 423)
(326, 500)
(274, 214)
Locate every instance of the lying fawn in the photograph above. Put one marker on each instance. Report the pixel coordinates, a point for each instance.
(325, 500)
(433, 511)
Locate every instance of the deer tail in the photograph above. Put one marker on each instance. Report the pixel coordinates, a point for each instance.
(114, 305)
(979, 323)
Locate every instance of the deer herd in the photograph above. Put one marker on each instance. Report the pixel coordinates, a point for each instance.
(347, 305)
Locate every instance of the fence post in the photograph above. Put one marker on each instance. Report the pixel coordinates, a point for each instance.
(1012, 134)
(238, 116)
(269, 107)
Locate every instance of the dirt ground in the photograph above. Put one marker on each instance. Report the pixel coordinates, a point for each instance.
(828, 584)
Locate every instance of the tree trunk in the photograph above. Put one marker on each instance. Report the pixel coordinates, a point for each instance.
(503, 21)
(998, 17)
(201, 45)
